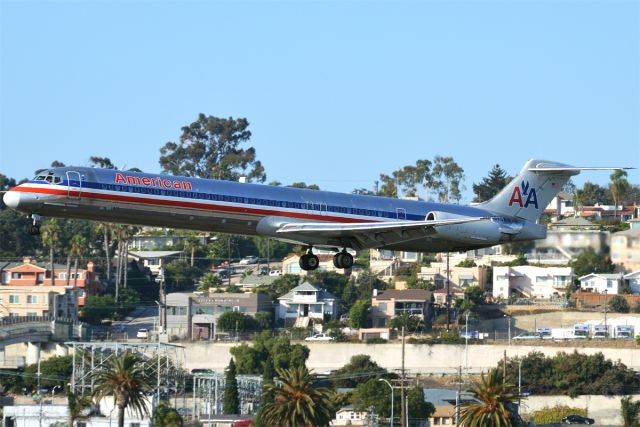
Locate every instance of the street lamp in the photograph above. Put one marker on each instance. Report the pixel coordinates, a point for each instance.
(391, 387)
(509, 327)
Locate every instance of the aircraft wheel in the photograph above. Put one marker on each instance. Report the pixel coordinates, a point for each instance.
(337, 260)
(34, 230)
(312, 261)
(304, 262)
(347, 260)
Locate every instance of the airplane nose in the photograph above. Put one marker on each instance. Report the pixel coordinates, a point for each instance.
(12, 199)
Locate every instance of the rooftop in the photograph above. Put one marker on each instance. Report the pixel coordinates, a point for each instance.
(404, 294)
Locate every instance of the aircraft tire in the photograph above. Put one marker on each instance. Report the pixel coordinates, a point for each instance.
(304, 262)
(337, 260)
(34, 230)
(347, 260)
(312, 262)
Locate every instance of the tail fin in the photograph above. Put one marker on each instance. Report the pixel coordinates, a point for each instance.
(532, 190)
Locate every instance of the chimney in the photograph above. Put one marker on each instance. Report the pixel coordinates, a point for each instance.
(375, 292)
(90, 267)
(26, 260)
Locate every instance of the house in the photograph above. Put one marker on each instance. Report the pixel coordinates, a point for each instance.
(444, 401)
(347, 416)
(440, 295)
(566, 239)
(386, 262)
(444, 415)
(625, 249)
(561, 205)
(25, 289)
(307, 302)
(461, 277)
(530, 281)
(154, 260)
(633, 281)
(601, 283)
(291, 264)
(389, 303)
(194, 316)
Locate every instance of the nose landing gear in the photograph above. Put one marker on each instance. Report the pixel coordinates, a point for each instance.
(34, 229)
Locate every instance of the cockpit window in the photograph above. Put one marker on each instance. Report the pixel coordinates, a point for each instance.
(49, 179)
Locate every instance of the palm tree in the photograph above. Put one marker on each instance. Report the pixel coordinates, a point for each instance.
(166, 416)
(618, 187)
(296, 403)
(191, 244)
(493, 397)
(78, 249)
(51, 238)
(125, 378)
(630, 412)
(107, 231)
(77, 405)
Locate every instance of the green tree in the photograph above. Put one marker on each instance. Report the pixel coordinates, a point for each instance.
(179, 274)
(209, 280)
(166, 416)
(54, 371)
(98, 307)
(619, 304)
(447, 177)
(591, 262)
(630, 412)
(491, 184)
(231, 402)
(231, 321)
(250, 359)
(125, 378)
(474, 294)
(78, 406)
(360, 368)
(268, 375)
(51, 238)
(210, 148)
(492, 398)
(102, 162)
(359, 313)
(263, 320)
(409, 321)
(297, 403)
(419, 409)
(368, 281)
(374, 393)
(190, 245)
(304, 185)
(78, 249)
(591, 194)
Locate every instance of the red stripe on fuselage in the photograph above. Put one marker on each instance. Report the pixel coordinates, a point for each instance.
(193, 205)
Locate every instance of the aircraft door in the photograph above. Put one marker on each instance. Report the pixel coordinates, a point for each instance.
(401, 213)
(74, 185)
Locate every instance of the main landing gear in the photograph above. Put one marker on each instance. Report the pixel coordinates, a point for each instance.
(343, 259)
(34, 229)
(309, 261)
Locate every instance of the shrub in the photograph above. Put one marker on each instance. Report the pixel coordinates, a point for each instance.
(376, 340)
(555, 414)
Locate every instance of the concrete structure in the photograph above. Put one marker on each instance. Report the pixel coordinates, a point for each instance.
(195, 316)
(347, 416)
(31, 274)
(530, 281)
(154, 260)
(625, 250)
(387, 304)
(601, 282)
(461, 277)
(253, 281)
(307, 302)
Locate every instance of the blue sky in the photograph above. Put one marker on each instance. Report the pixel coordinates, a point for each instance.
(336, 92)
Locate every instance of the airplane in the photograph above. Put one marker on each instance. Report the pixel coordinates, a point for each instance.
(311, 218)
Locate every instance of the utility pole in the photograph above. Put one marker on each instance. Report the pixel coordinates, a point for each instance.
(458, 394)
(606, 303)
(448, 300)
(504, 368)
(229, 261)
(402, 395)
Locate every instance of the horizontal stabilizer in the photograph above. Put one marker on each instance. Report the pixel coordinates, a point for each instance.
(576, 169)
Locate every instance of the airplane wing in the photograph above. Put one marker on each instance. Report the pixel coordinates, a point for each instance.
(369, 234)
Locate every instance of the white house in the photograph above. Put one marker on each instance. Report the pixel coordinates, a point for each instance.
(528, 281)
(601, 282)
(306, 302)
(347, 416)
(633, 280)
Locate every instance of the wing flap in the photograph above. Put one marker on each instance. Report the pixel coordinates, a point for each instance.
(339, 229)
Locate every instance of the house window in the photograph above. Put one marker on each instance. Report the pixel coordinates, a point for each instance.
(14, 299)
(382, 306)
(40, 278)
(615, 255)
(81, 424)
(16, 275)
(134, 424)
(502, 277)
(541, 279)
(32, 299)
(609, 283)
(5, 277)
(31, 314)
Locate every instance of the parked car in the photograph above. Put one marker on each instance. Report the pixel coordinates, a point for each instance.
(472, 335)
(201, 371)
(143, 333)
(577, 419)
(320, 337)
(248, 260)
(525, 336)
(263, 271)
(275, 273)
